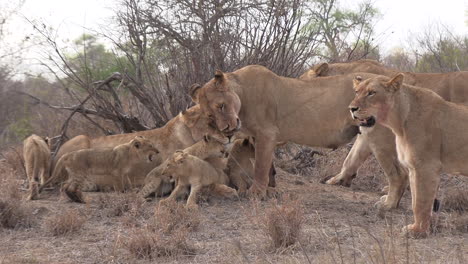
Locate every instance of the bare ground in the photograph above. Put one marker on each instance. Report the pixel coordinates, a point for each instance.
(340, 224)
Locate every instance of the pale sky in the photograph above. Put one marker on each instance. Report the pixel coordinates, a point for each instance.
(402, 17)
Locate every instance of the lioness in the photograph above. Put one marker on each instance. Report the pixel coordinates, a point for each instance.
(36, 155)
(379, 140)
(278, 109)
(192, 171)
(206, 148)
(452, 86)
(430, 135)
(103, 168)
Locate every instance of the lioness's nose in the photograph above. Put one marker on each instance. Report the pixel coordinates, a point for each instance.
(353, 109)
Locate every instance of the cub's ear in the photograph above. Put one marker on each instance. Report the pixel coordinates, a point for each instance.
(395, 83)
(356, 81)
(245, 142)
(193, 92)
(321, 69)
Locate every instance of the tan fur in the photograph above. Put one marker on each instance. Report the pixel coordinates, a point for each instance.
(36, 155)
(430, 136)
(206, 148)
(180, 132)
(279, 109)
(105, 168)
(240, 167)
(379, 140)
(452, 86)
(188, 170)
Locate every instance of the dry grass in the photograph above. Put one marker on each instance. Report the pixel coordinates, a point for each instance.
(68, 222)
(283, 223)
(456, 200)
(15, 215)
(128, 203)
(174, 216)
(147, 243)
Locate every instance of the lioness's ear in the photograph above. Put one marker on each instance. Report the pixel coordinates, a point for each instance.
(219, 80)
(395, 83)
(206, 138)
(356, 81)
(321, 69)
(193, 92)
(46, 139)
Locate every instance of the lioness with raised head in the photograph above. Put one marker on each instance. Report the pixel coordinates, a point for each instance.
(36, 155)
(103, 168)
(188, 170)
(278, 109)
(379, 140)
(431, 135)
(206, 148)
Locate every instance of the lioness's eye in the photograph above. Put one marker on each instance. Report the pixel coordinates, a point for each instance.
(370, 93)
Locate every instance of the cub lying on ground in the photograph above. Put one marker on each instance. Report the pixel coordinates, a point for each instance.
(36, 155)
(208, 147)
(106, 168)
(431, 136)
(188, 170)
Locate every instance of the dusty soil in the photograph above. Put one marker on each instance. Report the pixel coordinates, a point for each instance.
(340, 226)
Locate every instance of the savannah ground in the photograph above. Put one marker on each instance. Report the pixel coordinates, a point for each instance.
(332, 224)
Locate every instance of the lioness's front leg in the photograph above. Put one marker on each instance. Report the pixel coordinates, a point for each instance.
(424, 183)
(264, 147)
(356, 156)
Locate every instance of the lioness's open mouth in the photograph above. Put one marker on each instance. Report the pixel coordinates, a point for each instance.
(368, 122)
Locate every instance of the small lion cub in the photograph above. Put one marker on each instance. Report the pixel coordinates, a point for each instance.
(208, 147)
(189, 170)
(102, 167)
(36, 155)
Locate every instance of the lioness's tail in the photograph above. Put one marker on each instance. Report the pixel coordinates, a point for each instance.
(59, 167)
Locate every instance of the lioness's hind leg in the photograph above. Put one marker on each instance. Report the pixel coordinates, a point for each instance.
(73, 191)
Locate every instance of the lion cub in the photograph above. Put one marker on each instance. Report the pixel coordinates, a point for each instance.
(36, 155)
(240, 165)
(206, 148)
(106, 168)
(189, 170)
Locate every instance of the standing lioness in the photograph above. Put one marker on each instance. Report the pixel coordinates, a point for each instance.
(36, 155)
(431, 135)
(104, 168)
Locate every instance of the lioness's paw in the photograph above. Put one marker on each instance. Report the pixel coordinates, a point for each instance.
(255, 192)
(413, 232)
(273, 192)
(339, 180)
(192, 207)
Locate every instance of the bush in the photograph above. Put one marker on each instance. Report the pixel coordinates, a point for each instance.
(69, 222)
(283, 223)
